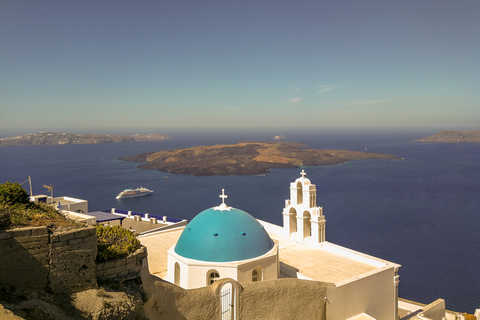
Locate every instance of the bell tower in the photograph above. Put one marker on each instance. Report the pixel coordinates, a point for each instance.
(302, 219)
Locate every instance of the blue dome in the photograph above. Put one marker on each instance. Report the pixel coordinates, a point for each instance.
(222, 236)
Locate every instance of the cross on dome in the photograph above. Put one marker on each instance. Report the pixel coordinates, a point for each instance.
(223, 196)
(223, 206)
(303, 173)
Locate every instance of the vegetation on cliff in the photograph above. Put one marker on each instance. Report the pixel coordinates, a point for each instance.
(54, 138)
(452, 136)
(114, 300)
(245, 158)
(16, 210)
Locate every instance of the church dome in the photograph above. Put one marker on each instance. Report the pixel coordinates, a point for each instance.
(223, 234)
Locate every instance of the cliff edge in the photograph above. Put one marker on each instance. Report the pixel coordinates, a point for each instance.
(452, 136)
(55, 138)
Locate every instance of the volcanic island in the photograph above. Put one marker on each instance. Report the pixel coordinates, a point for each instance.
(245, 158)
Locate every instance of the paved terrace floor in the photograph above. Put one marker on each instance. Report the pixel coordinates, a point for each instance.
(157, 246)
(314, 263)
(319, 264)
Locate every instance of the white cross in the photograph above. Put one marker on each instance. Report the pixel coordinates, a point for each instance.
(303, 173)
(223, 196)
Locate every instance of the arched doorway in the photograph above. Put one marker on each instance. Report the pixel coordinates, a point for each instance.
(229, 294)
(176, 274)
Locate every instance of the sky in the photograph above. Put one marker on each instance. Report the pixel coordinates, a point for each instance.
(105, 65)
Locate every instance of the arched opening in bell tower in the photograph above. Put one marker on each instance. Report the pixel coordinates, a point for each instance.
(307, 225)
(299, 193)
(293, 220)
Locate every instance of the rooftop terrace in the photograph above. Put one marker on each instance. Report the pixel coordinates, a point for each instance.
(327, 262)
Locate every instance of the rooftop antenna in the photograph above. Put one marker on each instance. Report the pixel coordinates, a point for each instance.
(49, 187)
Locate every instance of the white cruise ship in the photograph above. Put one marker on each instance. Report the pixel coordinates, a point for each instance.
(131, 193)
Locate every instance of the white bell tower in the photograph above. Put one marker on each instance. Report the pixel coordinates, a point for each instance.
(302, 219)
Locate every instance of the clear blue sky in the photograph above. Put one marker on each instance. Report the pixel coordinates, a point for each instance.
(76, 65)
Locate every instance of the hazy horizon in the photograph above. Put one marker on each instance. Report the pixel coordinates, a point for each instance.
(288, 132)
(89, 66)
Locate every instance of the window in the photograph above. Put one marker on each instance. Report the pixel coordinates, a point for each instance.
(212, 277)
(257, 274)
(254, 275)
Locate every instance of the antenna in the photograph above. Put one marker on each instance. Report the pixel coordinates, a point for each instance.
(49, 187)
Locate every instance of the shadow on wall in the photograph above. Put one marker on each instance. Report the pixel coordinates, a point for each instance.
(25, 258)
(57, 264)
(63, 262)
(275, 299)
(168, 301)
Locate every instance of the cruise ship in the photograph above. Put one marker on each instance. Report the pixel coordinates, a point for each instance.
(131, 193)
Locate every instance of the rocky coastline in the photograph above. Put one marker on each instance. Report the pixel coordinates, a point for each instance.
(452, 136)
(59, 138)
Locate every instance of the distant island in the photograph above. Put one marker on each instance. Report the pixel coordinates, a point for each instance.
(452, 136)
(245, 158)
(55, 138)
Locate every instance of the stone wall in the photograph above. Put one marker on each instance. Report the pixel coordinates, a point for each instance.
(63, 262)
(72, 260)
(121, 269)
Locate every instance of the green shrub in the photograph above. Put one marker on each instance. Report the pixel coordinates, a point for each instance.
(5, 217)
(13, 194)
(115, 242)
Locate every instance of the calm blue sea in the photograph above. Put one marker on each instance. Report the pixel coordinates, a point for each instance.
(422, 212)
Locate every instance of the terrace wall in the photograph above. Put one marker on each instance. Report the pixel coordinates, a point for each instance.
(62, 261)
(123, 268)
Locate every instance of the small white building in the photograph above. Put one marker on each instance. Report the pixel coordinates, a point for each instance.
(222, 242)
(62, 203)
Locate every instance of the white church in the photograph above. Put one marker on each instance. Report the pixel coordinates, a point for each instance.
(228, 243)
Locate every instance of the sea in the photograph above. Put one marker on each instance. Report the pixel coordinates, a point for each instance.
(422, 212)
